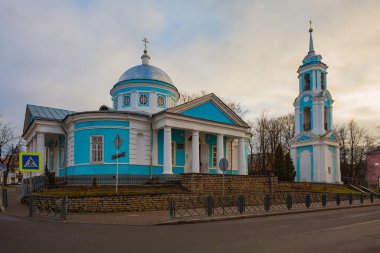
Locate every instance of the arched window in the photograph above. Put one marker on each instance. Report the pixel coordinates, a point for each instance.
(307, 81)
(307, 119)
(323, 81)
(326, 117)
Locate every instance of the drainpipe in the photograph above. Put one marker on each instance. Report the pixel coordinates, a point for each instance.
(151, 147)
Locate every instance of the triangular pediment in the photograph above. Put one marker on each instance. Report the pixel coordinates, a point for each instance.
(211, 108)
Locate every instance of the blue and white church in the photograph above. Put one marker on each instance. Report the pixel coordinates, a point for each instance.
(158, 136)
(314, 148)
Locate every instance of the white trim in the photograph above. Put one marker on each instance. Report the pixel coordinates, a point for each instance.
(102, 127)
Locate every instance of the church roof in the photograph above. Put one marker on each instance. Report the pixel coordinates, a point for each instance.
(45, 113)
(42, 112)
(145, 72)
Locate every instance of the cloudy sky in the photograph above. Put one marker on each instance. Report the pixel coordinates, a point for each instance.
(69, 54)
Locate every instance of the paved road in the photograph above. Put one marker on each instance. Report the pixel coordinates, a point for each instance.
(349, 230)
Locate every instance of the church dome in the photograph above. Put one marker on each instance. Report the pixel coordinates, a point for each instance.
(144, 89)
(145, 72)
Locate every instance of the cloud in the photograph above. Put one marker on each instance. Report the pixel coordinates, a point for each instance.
(69, 54)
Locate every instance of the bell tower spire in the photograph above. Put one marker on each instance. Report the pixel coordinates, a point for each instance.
(311, 45)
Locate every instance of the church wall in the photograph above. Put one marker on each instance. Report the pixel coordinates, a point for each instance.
(107, 129)
(139, 131)
(305, 165)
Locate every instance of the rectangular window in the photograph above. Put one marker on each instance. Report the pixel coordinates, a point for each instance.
(96, 149)
(173, 152)
(214, 156)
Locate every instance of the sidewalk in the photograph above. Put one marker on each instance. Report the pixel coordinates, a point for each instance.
(16, 208)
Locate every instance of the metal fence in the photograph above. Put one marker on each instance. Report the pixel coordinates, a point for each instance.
(88, 180)
(205, 206)
(33, 184)
(49, 207)
(38, 183)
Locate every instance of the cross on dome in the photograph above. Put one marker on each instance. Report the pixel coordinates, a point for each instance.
(145, 40)
(145, 57)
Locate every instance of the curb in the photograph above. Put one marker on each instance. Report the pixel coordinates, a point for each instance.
(225, 218)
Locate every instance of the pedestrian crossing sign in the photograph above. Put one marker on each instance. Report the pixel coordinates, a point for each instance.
(30, 162)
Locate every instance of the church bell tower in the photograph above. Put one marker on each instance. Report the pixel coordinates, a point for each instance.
(314, 148)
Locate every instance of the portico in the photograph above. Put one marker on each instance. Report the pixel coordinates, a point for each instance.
(204, 142)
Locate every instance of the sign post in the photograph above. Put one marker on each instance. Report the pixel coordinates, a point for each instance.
(223, 166)
(117, 142)
(30, 162)
(3, 168)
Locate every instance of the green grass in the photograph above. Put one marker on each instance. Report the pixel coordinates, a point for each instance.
(321, 188)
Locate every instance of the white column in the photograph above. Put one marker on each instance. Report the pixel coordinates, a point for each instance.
(219, 151)
(195, 151)
(318, 121)
(242, 158)
(297, 119)
(337, 160)
(168, 150)
(34, 144)
(41, 146)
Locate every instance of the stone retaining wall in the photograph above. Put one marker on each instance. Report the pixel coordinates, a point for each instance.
(212, 184)
(197, 185)
(119, 203)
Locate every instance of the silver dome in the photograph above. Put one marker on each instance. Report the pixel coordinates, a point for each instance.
(145, 72)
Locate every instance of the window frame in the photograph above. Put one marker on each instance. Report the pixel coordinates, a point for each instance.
(323, 81)
(148, 98)
(91, 158)
(62, 154)
(214, 154)
(116, 102)
(164, 97)
(174, 149)
(304, 123)
(130, 100)
(309, 81)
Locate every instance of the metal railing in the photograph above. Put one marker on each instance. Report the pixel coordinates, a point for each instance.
(33, 184)
(49, 207)
(204, 206)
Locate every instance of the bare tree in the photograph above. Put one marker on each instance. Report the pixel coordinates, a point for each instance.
(287, 123)
(10, 146)
(355, 142)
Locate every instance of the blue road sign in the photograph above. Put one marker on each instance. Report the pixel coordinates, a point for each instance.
(30, 162)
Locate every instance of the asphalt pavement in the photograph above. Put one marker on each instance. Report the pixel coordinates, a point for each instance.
(346, 230)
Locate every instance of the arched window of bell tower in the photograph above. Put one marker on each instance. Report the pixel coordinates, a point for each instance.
(323, 86)
(326, 117)
(307, 81)
(307, 119)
